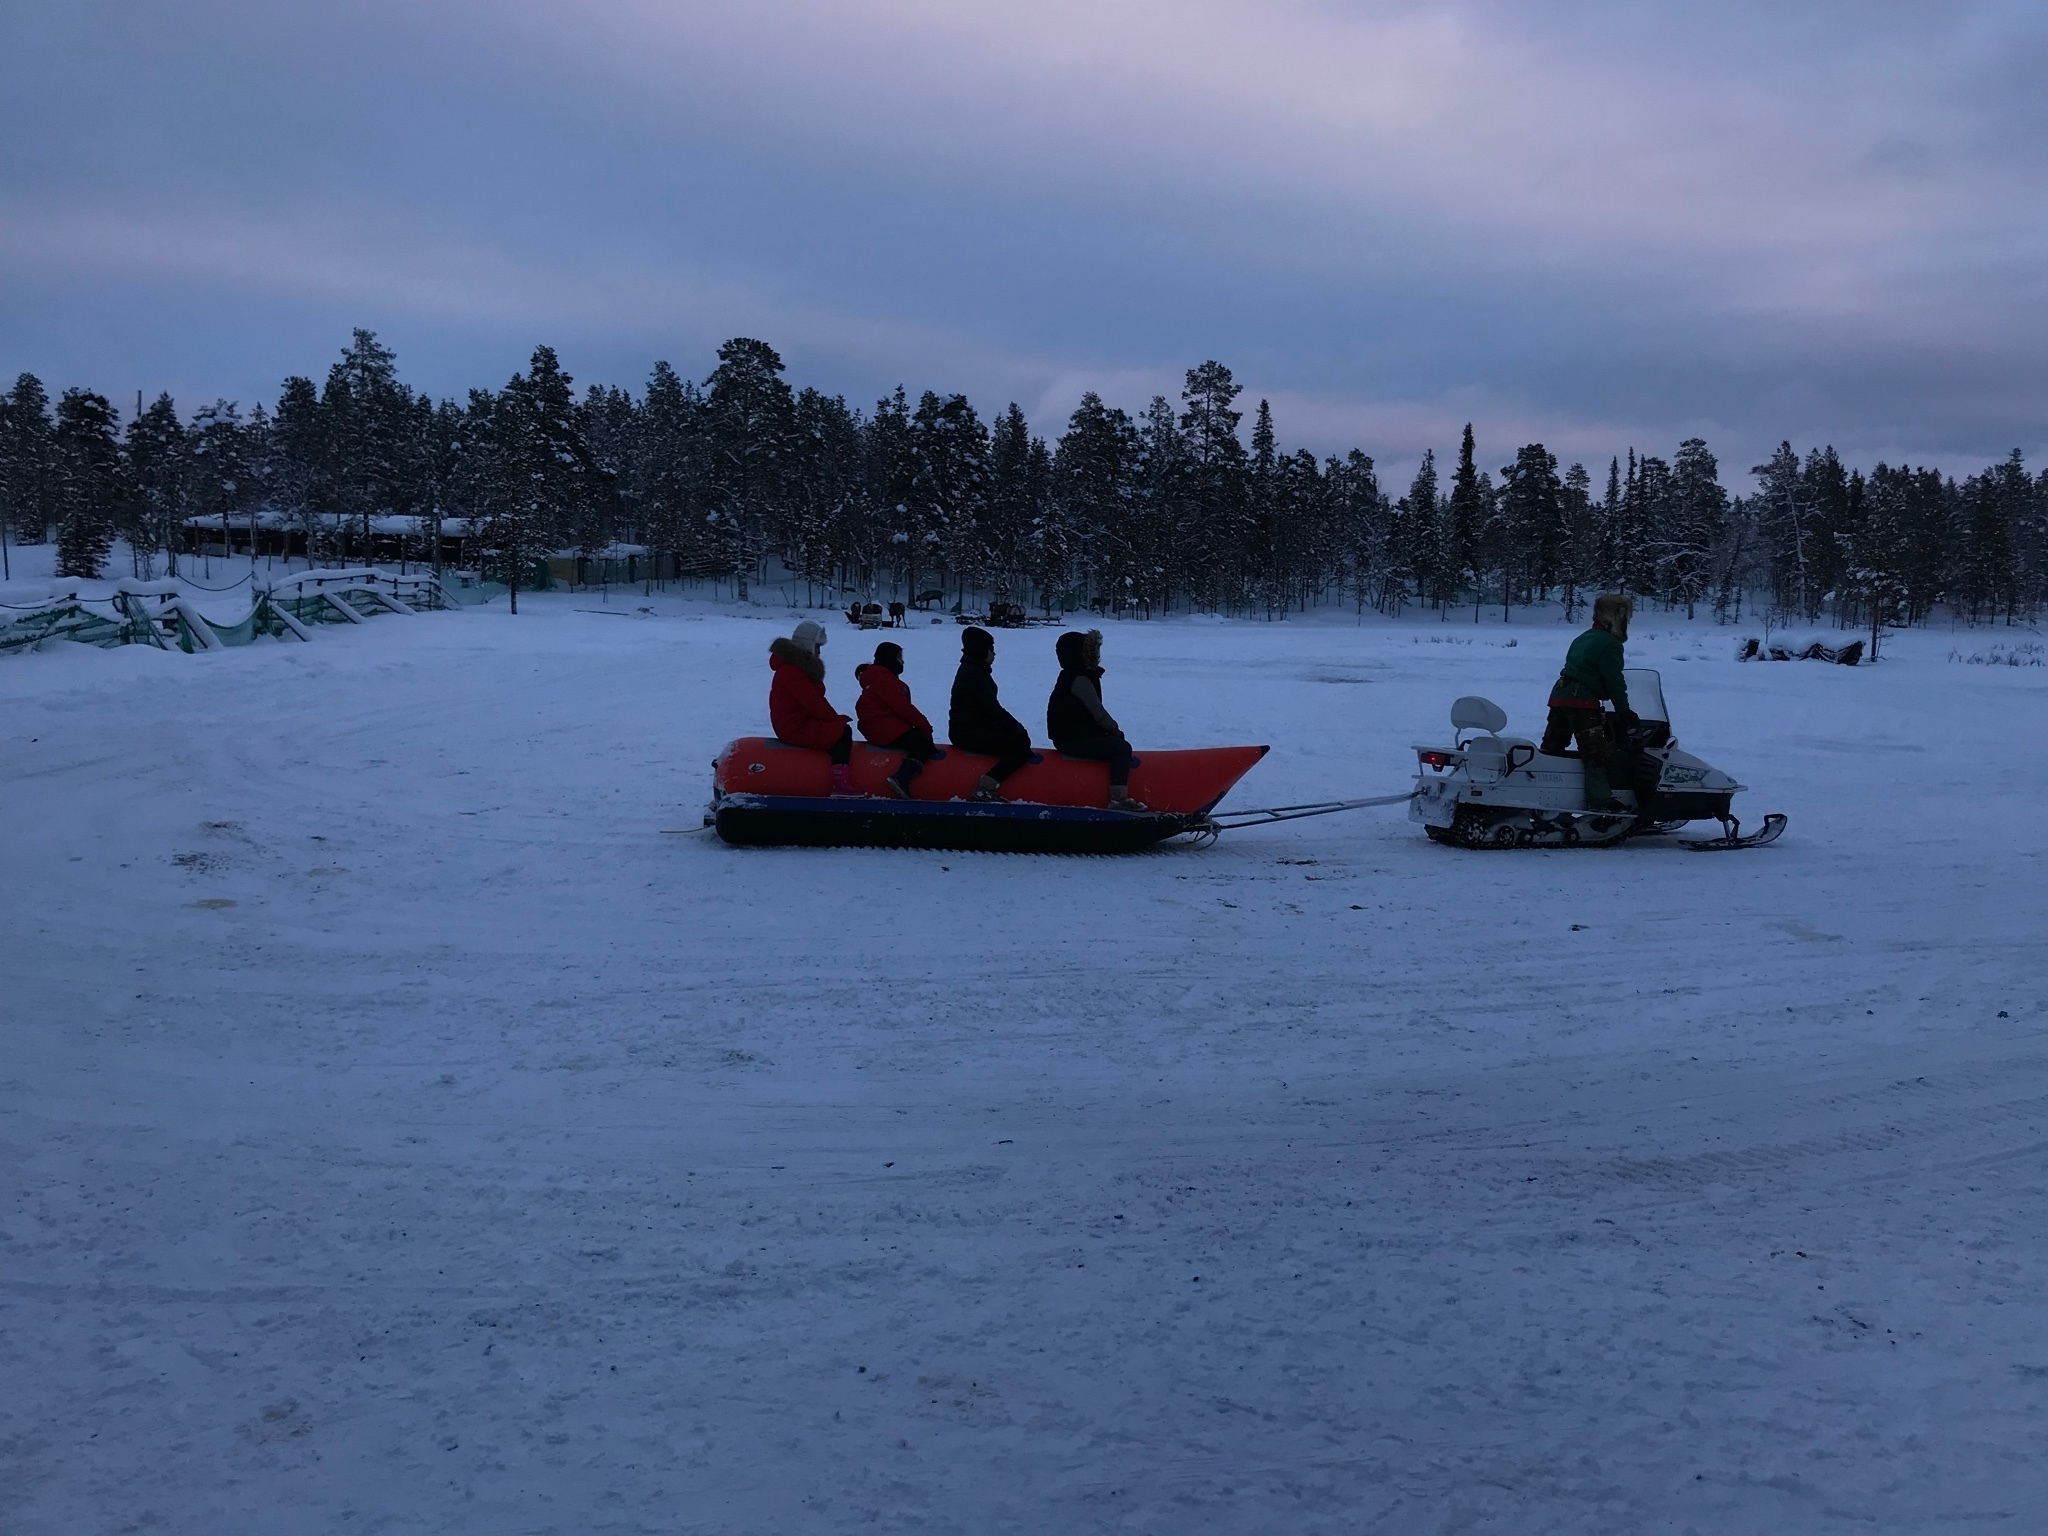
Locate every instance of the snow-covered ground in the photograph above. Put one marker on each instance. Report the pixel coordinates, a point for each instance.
(402, 1134)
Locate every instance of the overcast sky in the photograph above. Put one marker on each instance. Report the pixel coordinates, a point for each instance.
(1593, 225)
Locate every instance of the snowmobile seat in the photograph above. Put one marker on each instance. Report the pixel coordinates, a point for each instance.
(1473, 713)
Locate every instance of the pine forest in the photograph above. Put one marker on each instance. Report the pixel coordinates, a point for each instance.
(1168, 511)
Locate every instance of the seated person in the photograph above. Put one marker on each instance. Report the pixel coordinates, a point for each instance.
(1592, 672)
(798, 708)
(889, 719)
(1077, 721)
(977, 721)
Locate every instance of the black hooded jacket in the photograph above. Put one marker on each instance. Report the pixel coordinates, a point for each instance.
(977, 714)
(1075, 712)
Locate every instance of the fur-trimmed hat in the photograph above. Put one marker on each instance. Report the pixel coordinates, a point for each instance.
(809, 635)
(1612, 611)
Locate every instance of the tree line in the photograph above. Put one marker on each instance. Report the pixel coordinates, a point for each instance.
(1168, 510)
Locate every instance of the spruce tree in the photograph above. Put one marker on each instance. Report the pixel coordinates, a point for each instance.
(1093, 514)
(1697, 520)
(28, 462)
(1579, 552)
(90, 485)
(301, 479)
(1262, 515)
(1467, 518)
(223, 481)
(1428, 547)
(365, 410)
(1013, 499)
(1216, 480)
(1527, 530)
(159, 467)
(949, 487)
(1163, 549)
(750, 414)
(1877, 548)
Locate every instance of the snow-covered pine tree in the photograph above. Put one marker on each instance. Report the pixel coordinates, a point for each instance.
(1467, 517)
(1695, 522)
(90, 484)
(1092, 521)
(1647, 500)
(1612, 523)
(159, 467)
(1211, 553)
(1259, 535)
(1526, 532)
(365, 410)
(889, 470)
(1016, 489)
(223, 482)
(1877, 549)
(1424, 546)
(301, 483)
(676, 497)
(828, 498)
(28, 462)
(751, 413)
(949, 487)
(1366, 531)
(1164, 549)
(1579, 552)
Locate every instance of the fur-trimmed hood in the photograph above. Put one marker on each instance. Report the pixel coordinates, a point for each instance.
(790, 654)
(1612, 612)
(1080, 651)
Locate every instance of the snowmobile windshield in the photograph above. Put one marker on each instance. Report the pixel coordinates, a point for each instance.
(1646, 694)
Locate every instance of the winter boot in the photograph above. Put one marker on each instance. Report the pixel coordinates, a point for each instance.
(897, 787)
(1599, 794)
(842, 780)
(1120, 799)
(987, 789)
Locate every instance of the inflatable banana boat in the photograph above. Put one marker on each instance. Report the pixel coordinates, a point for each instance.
(766, 793)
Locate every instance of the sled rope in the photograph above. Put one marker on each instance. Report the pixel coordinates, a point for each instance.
(1229, 820)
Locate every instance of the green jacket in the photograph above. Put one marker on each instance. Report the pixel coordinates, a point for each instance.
(1592, 672)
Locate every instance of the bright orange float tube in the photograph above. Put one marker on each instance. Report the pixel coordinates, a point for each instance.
(1172, 783)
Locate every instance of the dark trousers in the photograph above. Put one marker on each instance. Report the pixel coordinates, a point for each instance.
(1589, 726)
(1010, 750)
(841, 751)
(917, 749)
(1113, 750)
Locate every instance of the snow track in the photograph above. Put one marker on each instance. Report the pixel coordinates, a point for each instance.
(400, 1135)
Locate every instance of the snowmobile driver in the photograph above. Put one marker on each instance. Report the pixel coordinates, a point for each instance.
(1592, 672)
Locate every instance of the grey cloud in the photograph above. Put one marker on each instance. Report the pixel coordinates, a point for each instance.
(1604, 223)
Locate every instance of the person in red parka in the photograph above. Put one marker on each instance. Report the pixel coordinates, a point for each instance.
(798, 708)
(889, 719)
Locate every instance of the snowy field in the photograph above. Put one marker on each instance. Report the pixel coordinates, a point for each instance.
(402, 1135)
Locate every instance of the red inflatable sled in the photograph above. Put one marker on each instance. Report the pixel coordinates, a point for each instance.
(766, 792)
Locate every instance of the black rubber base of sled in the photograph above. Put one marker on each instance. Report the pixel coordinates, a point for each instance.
(964, 826)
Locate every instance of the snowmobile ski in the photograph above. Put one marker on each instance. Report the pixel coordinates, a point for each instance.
(1736, 838)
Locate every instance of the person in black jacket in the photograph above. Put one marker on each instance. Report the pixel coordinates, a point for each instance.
(977, 721)
(1077, 721)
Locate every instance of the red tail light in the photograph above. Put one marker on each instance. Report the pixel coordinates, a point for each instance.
(1438, 759)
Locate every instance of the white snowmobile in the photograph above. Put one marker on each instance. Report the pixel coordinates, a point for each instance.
(1493, 791)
